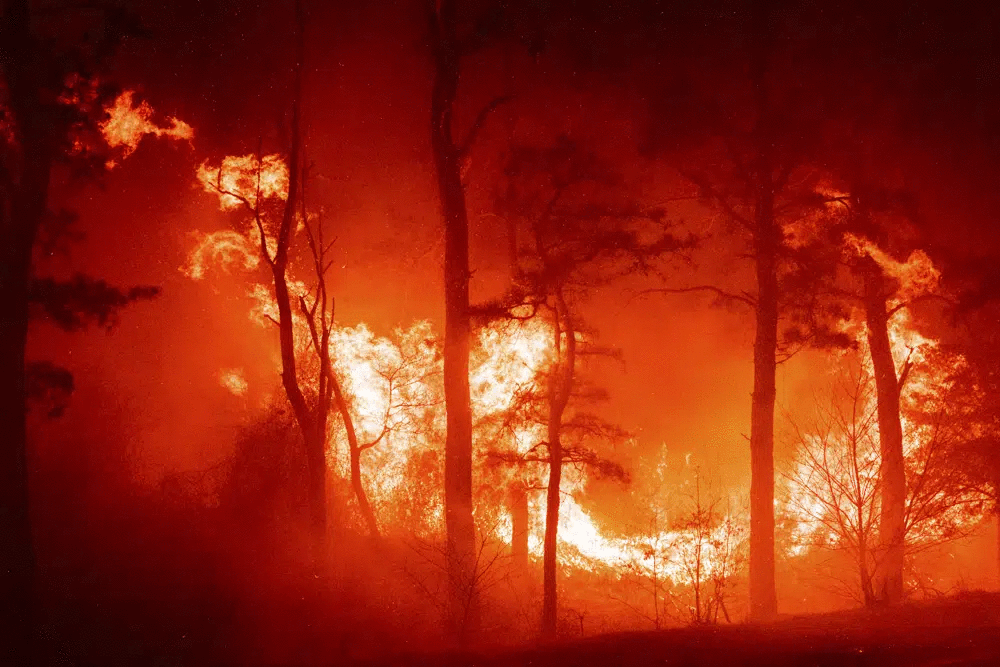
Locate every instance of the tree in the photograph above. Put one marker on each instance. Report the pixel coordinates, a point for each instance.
(576, 234)
(50, 107)
(397, 377)
(835, 480)
(835, 485)
(450, 154)
(874, 221)
(271, 190)
(688, 553)
(972, 401)
(746, 148)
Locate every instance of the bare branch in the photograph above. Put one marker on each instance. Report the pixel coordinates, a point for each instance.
(484, 113)
(742, 297)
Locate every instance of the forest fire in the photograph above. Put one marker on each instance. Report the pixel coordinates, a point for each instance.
(340, 335)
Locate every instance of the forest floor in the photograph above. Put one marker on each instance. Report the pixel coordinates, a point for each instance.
(963, 630)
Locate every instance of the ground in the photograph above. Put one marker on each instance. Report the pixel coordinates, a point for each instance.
(962, 630)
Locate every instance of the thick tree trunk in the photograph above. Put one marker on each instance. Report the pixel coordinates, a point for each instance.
(316, 465)
(890, 428)
(16, 552)
(519, 526)
(463, 597)
(763, 596)
(550, 609)
(767, 239)
(20, 217)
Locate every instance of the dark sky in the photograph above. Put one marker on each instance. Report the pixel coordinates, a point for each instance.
(222, 67)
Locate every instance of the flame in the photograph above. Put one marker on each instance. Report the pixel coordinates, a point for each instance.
(808, 224)
(127, 124)
(927, 382)
(233, 380)
(224, 249)
(396, 394)
(917, 275)
(245, 180)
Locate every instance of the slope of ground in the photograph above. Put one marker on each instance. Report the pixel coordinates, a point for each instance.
(956, 631)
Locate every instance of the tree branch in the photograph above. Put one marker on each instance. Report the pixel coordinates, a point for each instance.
(722, 294)
(484, 113)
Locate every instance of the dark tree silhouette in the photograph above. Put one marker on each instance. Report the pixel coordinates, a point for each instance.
(974, 401)
(573, 233)
(39, 131)
(275, 217)
(449, 47)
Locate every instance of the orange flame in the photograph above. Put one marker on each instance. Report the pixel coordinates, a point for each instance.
(917, 275)
(246, 180)
(225, 249)
(127, 124)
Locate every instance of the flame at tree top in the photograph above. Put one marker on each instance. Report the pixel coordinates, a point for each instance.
(245, 180)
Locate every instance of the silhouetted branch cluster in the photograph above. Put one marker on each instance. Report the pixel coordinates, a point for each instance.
(83, 301)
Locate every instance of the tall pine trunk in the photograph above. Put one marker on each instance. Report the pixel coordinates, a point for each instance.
(763, 595)
(560, 388)
(893, 475)
(550, 563)
(766, 241)
(22, 212)
(16, 549)
(461, 556)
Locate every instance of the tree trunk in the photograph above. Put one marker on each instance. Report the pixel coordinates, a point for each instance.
(766, 239)
(357, 484)
(21, 216)
(890, 428)
(763, 596)
(867, 592)
(315, 446)
(549, 556)
(463, 597)
(16, 552)
(559, 392)
(997, 512)
(312, 422)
